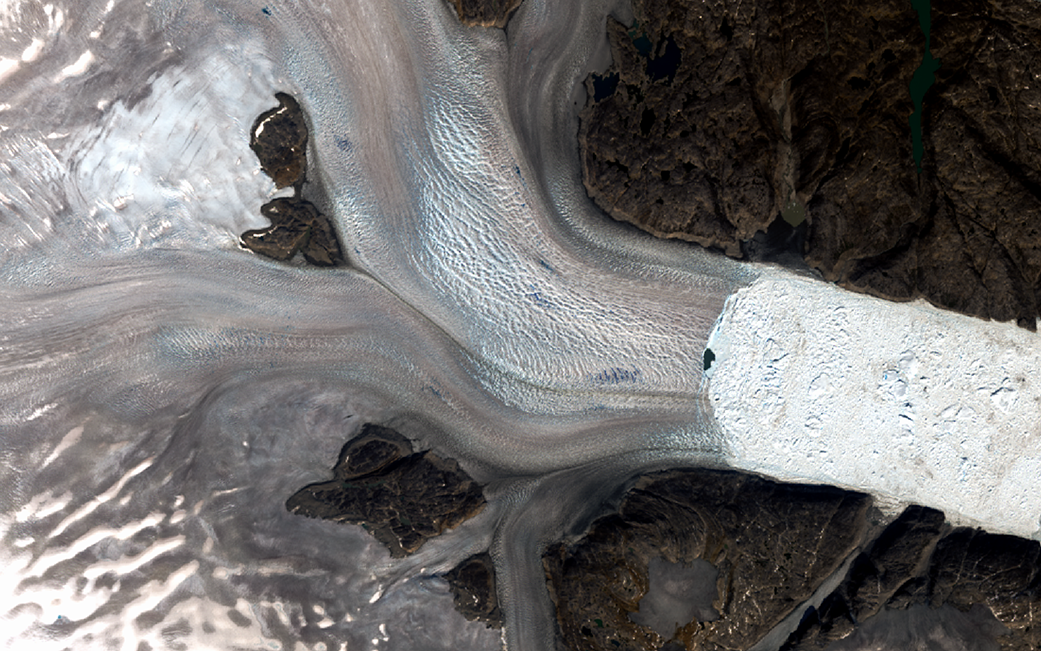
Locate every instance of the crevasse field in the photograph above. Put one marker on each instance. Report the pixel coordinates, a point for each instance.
(163, 391)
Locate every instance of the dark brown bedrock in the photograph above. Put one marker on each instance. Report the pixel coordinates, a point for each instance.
(990, 578)
(484, 13)
(717, 118)
(774, 545)
(279, 140)
(403, 498)
(474, 590)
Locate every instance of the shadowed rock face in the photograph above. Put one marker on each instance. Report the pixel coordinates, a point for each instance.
(296, 226)
(485, 13)
(473, 588)
(279, 139)
(1001, 572)
(718, 118)
(772, 544)
(913, 565)
(402, 498)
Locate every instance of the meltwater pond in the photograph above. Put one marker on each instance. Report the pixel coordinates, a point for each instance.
(165, 391)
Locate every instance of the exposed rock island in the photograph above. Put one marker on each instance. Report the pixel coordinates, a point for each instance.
(279, 139)
(485, 13)
(773, 545)
(994, 579)
(401, 497)
(473, 590)
(404, 498)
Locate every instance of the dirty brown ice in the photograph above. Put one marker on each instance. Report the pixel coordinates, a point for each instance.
(730, 123)
(403, 498)
(279, 139)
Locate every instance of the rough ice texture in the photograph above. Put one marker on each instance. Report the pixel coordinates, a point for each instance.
(902, 400)
(163, 392)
